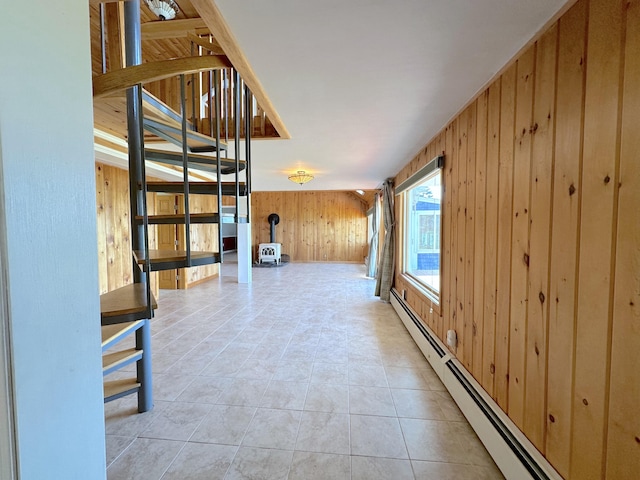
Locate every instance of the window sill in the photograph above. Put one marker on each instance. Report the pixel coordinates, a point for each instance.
(434, 299)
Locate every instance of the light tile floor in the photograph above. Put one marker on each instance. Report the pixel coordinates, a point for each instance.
(303, 374)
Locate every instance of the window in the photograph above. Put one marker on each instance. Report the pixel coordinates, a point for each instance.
(421, 229)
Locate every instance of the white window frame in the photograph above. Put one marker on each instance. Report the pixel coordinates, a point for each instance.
(427, 173)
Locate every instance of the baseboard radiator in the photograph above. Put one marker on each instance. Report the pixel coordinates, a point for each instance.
(513, 453)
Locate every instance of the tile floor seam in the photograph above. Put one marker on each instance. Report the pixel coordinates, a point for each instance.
(172, 461)
(121, 453)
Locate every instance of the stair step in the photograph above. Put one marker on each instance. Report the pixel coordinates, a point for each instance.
(114, 389)
(171, 131)
(200, 162)
(154, 107)
(199, 188)
(125, 304)
(112, 334)
(178, 219)
(170, 259)
(116, 360)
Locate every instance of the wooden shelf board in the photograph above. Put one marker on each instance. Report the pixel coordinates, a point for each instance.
(178, 219)
(118, 330)
(172, 255)
(173, 130)
(111, 360)
(125, 300)
(200, 188)
(114, 387)
(206, 162)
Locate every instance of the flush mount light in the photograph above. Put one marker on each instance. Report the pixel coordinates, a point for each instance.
(301, 177)
(360, 192)
(164, 9)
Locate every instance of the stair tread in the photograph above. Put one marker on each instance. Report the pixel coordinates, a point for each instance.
(200, 188)
(171, 131)
(170, 259)
(203, 162)
(111, 332)
(111, 359)
(114, 387)
(179, 218)
(125, 300)
(171, 255)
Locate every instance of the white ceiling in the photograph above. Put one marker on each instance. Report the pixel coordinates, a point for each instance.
(362, 85)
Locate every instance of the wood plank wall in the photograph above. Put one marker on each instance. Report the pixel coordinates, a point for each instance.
(541, 240)
(315, 226)
(203, 238)
(114, 241)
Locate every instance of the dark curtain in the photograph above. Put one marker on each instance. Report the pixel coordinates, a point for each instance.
(387, 260)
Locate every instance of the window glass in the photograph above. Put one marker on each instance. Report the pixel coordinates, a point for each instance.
(422, 232)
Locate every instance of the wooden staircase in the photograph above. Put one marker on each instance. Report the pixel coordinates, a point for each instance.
(128, 310)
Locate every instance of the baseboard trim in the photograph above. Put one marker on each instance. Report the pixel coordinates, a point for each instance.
(516, 457)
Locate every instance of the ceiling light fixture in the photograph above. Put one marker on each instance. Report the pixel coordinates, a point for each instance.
(301, 177)
(164, 9)
(360, 192)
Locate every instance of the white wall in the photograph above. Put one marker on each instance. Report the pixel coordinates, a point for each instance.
(49, 197)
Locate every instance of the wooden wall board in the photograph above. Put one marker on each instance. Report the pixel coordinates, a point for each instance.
(470, 237)
(166, 238)
(101, 222)
(623, 435)
(491, 239)
(539, 236)
(113, 224)
(480, 233)
(505, 205)
(520, 234)
(114, 22)
(204, 238)
(461, 244)
(447, 244)
(599, 194)
(566, 214)
(315, 226)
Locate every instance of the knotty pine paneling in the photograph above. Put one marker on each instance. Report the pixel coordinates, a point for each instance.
(623, 434)
(505, 204)
(204, 238)
(600, 164)
(115, 267)
(541, 240)
(566, 216)
(114, 241)
(315, 226)
(491, 238)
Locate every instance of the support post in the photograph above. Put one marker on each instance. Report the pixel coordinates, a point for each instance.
(138, 197)
(244, 253)
(218, 90)
(143, 367)
(237, 108)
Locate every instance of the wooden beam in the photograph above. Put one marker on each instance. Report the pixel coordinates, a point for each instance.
(115, 81)
(115, 35)
(159, 29)
(212, 17)
(214, 47)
